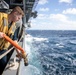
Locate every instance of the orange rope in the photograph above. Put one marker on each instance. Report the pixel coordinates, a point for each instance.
(13, 43)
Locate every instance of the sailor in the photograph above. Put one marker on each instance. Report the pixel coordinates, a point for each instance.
(7, 26)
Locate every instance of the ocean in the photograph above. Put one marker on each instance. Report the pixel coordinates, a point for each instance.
(50, 52)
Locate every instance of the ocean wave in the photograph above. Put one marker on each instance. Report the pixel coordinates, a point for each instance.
(52, 54)
(72, 42)
(31, 38)
(28, 38)
(60, 45)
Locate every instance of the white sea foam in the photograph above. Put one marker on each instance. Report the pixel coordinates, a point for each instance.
(56, 55)
(28, 38)
(40, 39)
(74, 62)
(73, 41)
(31, 38)
(27, 44)
(61, 45)
(26, 47)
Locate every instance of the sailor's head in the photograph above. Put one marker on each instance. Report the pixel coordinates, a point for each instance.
(17, 14)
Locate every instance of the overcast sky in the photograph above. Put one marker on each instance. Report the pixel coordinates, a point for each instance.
(55, 15)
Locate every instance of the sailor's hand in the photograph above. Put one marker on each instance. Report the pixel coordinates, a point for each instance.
(1, 34)
(19, 55)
